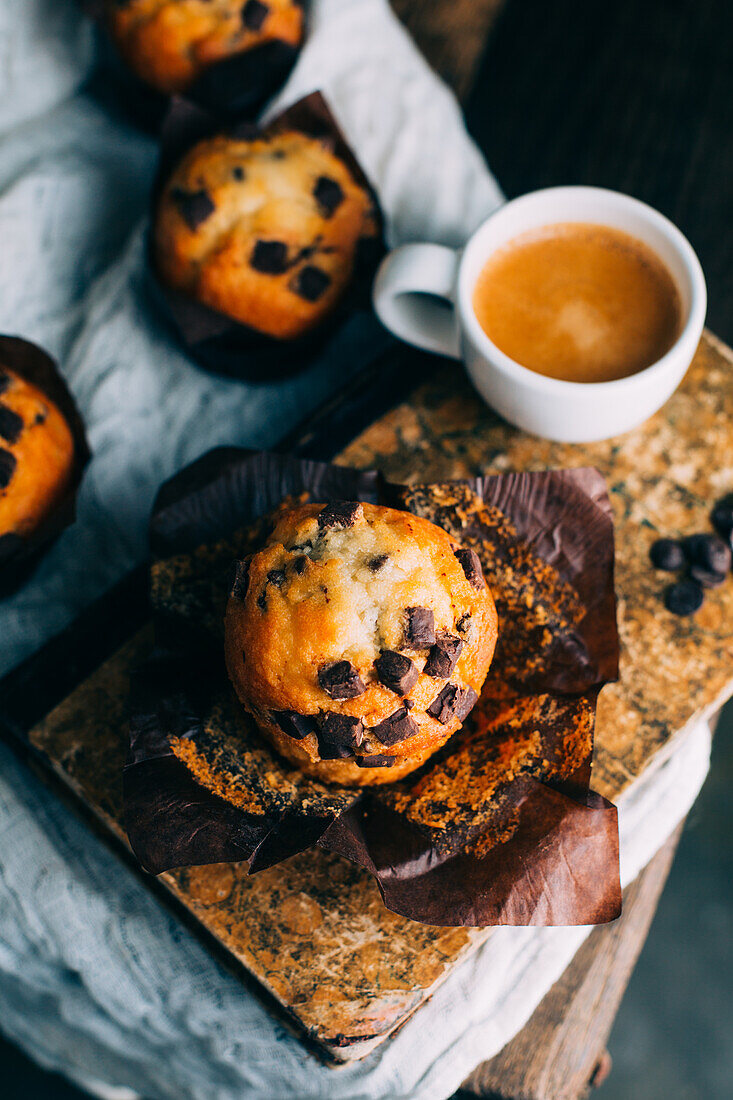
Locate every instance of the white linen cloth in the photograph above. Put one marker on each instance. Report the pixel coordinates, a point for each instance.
(100, 981)
(97, 978)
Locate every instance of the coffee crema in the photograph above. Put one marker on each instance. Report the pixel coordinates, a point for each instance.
(579, 302)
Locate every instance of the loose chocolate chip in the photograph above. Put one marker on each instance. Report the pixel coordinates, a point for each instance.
(262, 600)
(294, 724)
(452, 702)
(667, 554)
(238, 173)
(340, 680)
(299, 565)
(276, 577)
(395, 729)
(420, 628)
(471, 566)
(709, 552)
(194, 206)
(310, 283)
(11, 425)
(721, 516)
(269, 257)
(706, 577)
(339, 735)
(328, 195)
(241, 580)
(4, 381)
(375, 761)
(254, 14)
(342, 513)
(8, 462)
(376, 563)
(463, 623)
(443, 656)
(683, 598)
(396, 671)
(409, 703)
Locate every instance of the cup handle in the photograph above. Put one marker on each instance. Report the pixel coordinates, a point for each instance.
(406, 294)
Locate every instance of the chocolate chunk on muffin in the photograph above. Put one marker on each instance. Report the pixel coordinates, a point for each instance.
(396, 671)
(170, 43)
(443, 656)
(358, 674)
(36, 456)
(265, 231)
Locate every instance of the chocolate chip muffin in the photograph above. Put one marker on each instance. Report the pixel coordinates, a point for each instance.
(265, 231)
(169, 43)
(36, 456)
(359, 639)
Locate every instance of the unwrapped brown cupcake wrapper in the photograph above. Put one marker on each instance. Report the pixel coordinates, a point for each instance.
(214, 340)
(19, 555)
(238, 87)
(500, 826)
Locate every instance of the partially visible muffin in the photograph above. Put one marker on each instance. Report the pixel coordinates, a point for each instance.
(265, 231)
(359, 639)
(169, 43)
(36, 456)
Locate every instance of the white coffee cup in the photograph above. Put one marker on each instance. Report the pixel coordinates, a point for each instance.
(412, 280)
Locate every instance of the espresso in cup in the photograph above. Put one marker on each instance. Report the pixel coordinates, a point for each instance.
(579, 302)
(586, 287)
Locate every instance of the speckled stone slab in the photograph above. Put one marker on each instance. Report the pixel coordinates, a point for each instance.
(313, 931)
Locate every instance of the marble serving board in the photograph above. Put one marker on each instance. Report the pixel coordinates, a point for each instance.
(312, 931)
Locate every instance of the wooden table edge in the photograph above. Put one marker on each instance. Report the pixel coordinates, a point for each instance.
(560, 1053)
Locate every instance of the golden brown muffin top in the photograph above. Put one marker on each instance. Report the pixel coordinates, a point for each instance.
(366, 612)
(36, 455)
(169, 43)
(265, 231)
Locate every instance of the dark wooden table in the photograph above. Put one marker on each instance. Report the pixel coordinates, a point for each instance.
(560, 1054)
(635, 95)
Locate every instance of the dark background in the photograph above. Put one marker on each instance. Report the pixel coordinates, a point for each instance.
(636, 95)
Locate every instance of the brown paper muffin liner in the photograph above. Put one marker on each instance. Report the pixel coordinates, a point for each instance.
(19, 555)
(236, 87)
(500, 826)
(214, 340)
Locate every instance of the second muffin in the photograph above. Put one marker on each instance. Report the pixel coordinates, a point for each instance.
(265, 231)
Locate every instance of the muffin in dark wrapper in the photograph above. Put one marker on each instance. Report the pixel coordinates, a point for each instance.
(500, 826)
(264, 242)
(43, 452)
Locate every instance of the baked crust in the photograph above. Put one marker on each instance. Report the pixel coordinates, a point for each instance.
(359, 634)
(36, 455)
(169, 43)
(265, 231)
